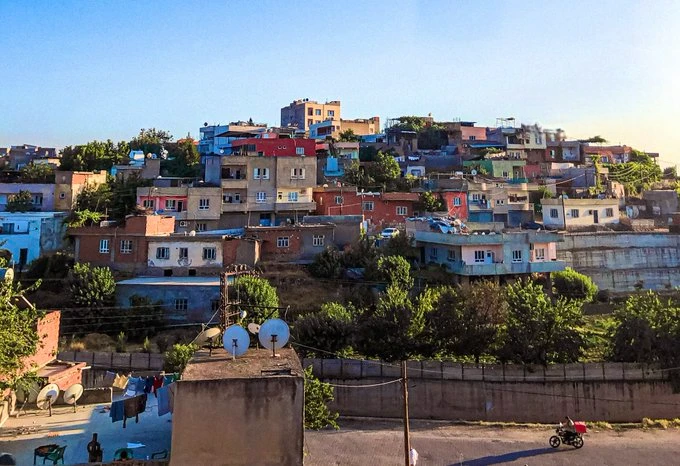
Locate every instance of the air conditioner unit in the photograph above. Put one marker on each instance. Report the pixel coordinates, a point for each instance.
(183, 223)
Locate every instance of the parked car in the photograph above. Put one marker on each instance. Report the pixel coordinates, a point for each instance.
(389, 233)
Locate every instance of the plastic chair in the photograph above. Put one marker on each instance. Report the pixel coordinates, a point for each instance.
(128, 454)
(55, 455)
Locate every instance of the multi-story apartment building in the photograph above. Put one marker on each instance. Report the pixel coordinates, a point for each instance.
(500, 201)
(264, 181)
(195, 205)
(501, 167)
(303, 113)
(526, 142)
(332, 127)
(216, 139)
(485, 250)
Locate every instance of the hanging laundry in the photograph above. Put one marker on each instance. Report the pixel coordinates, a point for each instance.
(157, 383)
(148, 385)
(109, 378)
(170, 378)
(117, 412)
(132, 383)
(134, 406)
(172, 389)
(120, 381)
(141, 384)
(163, 394)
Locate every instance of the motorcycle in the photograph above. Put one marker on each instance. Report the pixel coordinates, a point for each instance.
(568, 438)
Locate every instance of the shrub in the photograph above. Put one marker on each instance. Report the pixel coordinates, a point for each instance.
(317, 396)
(177, 358)
(327, 264)
(571, 284)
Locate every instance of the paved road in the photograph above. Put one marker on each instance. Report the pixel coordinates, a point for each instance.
(380, 443)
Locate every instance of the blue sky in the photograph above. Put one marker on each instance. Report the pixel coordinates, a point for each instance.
(76, 71)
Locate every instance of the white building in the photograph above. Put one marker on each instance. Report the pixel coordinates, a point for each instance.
(575, 213)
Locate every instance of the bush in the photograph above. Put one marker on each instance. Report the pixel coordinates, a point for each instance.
(327, 264)
(571, 284)
(330, 330)
(121, 343)
(258, 297)
(317, 396)
(177, 358)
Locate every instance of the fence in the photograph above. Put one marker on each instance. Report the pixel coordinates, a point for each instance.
(116, 361)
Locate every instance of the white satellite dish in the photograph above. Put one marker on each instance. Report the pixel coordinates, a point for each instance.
(253, 328)
(47, 396)
(207, 334)
(236, 340)
(274, 334)
(473, 172)
(73, 394)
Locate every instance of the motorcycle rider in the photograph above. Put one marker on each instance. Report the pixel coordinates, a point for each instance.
(569, 428)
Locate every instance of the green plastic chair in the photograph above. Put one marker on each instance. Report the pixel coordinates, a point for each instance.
(55, 455)
(119, 452)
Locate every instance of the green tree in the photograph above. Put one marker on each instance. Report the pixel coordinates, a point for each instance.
(92, 287)
(177, 357)
(95, 198)
(385, 169)
(670, 172)
(37, 173)
(348, 136)
(393, 270)
(151, 141)
(317, 397)
(124, 196)
(430, 203)
(571, 284)
(331, 330)
(20, 202)
(19, 338)
(401, 245)
(594, 140)
(257, 296)
(637, 175)
(183, 159)
(327, 264)
(361, 254)
(81, 218)
(94, 155)
(367, 153)
(538, 331)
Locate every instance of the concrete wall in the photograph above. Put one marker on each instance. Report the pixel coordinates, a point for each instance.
(115, 361)
(609, 392)
(199, 299)
(619, 261)
(238, 422)
(194, 249)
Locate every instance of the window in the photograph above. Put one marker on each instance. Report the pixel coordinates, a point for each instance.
(148, 203)
(517, 255)
(183, 253)
(293, 196)
(472, 138)
(554, 213)
(434, 253)
(506, 175)
(451, 255)
(539, 254)
(338, 200)
(475, 197)
(500, 201)
(181, 304)
(367, 206)
(297, 173)
(163, 253)
(264, 172)
(479, 256)
(318, 240)
(170, 204)
(125, 246)
(317, 111)
(609, 212)
(62, 195)
(402, 210)
(201, 226)
(331, 113)
(261, 197)
(552, 153)
(456, 201)
(300, 150)
(103, 245)
(203, 204)
(209, 254)
(310, 122)
(37, 199)
(310, 111)
(574, 213)
(282, 242)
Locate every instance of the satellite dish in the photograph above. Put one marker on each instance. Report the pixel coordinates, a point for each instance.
(253, 328)
(274, 334)
(473, 172)
(73, 394)
(236, 340)
(47, 396)
(207, 334)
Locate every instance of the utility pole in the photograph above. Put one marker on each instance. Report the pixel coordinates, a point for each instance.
(407, 440)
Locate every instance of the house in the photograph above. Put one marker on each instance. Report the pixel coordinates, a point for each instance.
(502, 167)
(195, 205)
(20, 156)
(264, 181)
(485, 250)
(579, 213)
(379, 209)
(347, 228)
(526, 142)
(42, 194)
(292, 243)
(606, 154)
(69, 184)
(661, 202)
(331, 128)
(453, 191)
(217, 139)
(261, 396)
(500, 201)
(332, 158)
(139, 165)
(29, 235)
(303, 113)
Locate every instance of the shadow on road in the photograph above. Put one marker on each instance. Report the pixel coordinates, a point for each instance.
(507, 457)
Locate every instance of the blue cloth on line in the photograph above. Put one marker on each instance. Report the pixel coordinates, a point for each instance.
(163, 400)
(148, 385)
(132, 383)
(141, 385)
(117, 412)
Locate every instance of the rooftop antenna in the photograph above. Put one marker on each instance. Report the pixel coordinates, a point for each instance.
(274, 334)
(236, 341)
(73, 394)
(47, 396)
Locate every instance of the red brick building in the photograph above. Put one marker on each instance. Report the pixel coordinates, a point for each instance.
(456, 203)
(379, 209)
(291, 243)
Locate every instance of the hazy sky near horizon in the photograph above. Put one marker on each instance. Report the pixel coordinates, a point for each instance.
(74, 71)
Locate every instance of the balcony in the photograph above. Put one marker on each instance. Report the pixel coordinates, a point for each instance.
(546, 266)
(234, 206)
(234, 183)
(482, 269)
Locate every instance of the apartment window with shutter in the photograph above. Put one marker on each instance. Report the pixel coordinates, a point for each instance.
(203, 204)
(170, 204)
(37, 200)
(451, 255)
(609, 212)
(209, 254)
(456, 201)
(265, 173)
(261, 197)
(103, 246)
(125, 246)
(163, 253)
(539, 254)
(479, 256)
(201, 226)
(256, 173)
(434, 253)
(300, 150)
(402, 210)
(574, 213)
(183, 253)
(282, 242)
(293, 196)
(148, 203)
(517, 255)
(318, 240)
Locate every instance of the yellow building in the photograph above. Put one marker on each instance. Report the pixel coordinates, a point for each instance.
(303, 113)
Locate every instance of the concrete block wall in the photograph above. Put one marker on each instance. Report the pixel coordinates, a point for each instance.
(119, 361)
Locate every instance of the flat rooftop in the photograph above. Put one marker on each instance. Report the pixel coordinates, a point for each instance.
(172, 281)
(256, 363)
